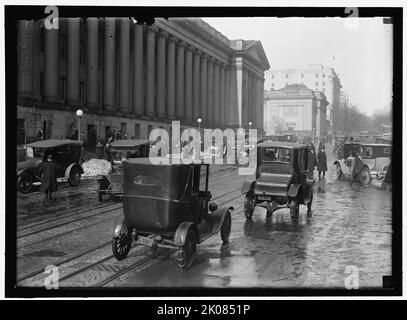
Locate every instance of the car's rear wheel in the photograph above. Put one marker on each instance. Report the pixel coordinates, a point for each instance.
(226, 227)
(338, 171)
(364, 176)
(74, 177)
(186, 252)
(25, 182)
(249, 204)
(294, 210)
(121, 245)
(309, 204)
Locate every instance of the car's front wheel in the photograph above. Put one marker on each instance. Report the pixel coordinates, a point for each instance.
(25, 182)
(249, 204)
(294, 210)
(338, 171)
(187, 251)
(226, 227)
(74, 177)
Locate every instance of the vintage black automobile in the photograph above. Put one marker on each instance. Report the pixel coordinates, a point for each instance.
(282, 179)
(112, 184)
(363, 161)
(65, 153)
(167, 205)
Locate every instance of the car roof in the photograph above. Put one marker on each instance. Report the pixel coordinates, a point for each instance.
(52, 143)
(353, 142)
(128, 143)
(377, 144)
(281, 144)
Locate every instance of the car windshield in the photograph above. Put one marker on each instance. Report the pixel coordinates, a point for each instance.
(274, 154)
(34, 152)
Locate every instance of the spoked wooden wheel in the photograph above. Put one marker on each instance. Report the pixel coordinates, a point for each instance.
(74, 177)
(294, 210)
(25, 182)
(226, 227)
(338, 171)
(364, 176)
(187, 251)
(121, 245)
(249, 204)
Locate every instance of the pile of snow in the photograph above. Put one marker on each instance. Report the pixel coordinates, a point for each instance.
(95, 167)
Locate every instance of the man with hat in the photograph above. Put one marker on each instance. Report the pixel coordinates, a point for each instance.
(48, 175)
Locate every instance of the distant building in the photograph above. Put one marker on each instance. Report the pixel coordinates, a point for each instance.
(315, 77)
(297, 109)
(134, 78)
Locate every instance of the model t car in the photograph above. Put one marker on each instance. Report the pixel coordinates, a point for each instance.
(65, 153)
(167, 205)
(112, 184)
(363, 161)
(282, 179)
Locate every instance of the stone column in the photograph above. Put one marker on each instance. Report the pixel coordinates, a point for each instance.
(222, 97)
(318, 119)
(216, 84)
(245, 98)
(204, 88)
(171, 78)
(188, 83)
(138, 72)
(161, 74)
(227, 96)
(72, 89)
(209, 113)
(109, 78)
(261, 103)
(196, 84)
(124, 65)
(180, 80)
(25, 58)
(150, 71)
(51, 65)
(92, 62)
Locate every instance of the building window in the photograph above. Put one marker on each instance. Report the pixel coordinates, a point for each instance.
(62, 88)
(323, 75)
(316, 83)
(323, 90)
(286, 75)
(286, 83)
(82, 53)
(137, 131)
(82, 92)
(42, 85)
(272, 76)
(42, 40)
(302, 75)
(323, 83)
(272, 84)
(290, 110)
(62, 46)
(316, 75)
(149, 129)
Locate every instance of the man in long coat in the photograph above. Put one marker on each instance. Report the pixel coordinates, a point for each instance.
(48, 174)
(322, 163)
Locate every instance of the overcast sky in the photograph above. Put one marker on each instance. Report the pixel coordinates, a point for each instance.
(363, 55)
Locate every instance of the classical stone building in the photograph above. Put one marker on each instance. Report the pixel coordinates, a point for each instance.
(134, 78)
(295, 108)
(316, 77)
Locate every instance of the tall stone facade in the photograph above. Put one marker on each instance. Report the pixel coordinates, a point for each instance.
(134, 78)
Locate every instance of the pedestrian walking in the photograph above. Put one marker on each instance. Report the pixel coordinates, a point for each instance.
(39, 135)
(48, 176)
(322, 163)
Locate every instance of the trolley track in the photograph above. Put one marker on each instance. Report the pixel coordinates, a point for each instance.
(81, 254)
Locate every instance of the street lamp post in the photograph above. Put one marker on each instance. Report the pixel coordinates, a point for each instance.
(199, 120)
(79, 113)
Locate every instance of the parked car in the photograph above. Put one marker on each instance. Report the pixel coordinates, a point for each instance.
(282, 179)
(363, 161)
(168, 205)
(65, 153)
(112, 184)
